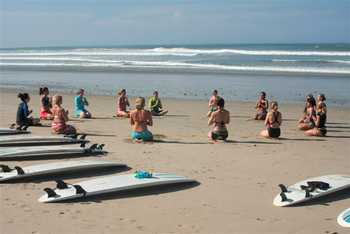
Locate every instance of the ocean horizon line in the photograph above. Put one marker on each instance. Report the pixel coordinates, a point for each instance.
(171, 45)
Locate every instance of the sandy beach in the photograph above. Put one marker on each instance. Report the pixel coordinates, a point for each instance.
(238, 180)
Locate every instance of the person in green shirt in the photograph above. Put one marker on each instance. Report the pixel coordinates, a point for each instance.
(155, 105)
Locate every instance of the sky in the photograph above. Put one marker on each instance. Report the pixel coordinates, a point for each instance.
(35, 23)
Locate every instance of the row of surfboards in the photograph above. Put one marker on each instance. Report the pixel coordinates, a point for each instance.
(15, 146)
(301, 192)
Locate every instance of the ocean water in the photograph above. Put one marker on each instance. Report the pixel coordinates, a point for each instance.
(287, 71)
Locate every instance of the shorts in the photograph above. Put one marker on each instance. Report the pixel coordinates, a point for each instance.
(145, 135)
(274, 132)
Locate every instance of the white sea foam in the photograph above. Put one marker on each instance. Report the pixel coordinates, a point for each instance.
(182, 65)
(161, 51)
(251, 52)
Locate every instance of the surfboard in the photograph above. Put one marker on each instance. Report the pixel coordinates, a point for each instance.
(311, 189)
(13, 131)
(108, 184)
(50, 151)
(8, 174)
(30, 140)
(344, 218)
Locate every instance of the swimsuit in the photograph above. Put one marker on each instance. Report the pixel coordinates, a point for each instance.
(80, 103)
(155, 105)
(220, 133)
(322, 123)
(45, 107)
(144, 135)
(274, 132)
(59, 125)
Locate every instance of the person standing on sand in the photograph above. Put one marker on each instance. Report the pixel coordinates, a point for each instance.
(213, 102)
(122, 104)
(156, 106)
(273, 122)
(80, 103)
(261, 107)
(60, 117)
(139, 120)
(320, 123)
(219, 119)
(45, 110)
(308, 120)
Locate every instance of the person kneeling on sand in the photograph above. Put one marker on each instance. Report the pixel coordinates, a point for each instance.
(155, 105)
(309, 116)
(273, 122)
(320, 123)
(219, 119)
(45, 110)
(23, 117)
(80, 103)
(139, 119)
(60, 117)
(122, 104)
(261, 107)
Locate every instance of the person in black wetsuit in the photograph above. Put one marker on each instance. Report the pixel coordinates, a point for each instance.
(320, 123)
(273, 122)
(23, 117)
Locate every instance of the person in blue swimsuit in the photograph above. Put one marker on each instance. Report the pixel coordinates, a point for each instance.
(80, 103)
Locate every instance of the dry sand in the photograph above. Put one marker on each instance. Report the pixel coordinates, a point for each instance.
(238, 180)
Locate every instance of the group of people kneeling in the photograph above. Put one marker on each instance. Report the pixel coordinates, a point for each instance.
(313, 120)
(51, 109)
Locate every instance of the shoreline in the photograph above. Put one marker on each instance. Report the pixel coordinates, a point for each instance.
(238, 180)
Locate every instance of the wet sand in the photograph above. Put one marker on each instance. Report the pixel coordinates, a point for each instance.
(238, 180)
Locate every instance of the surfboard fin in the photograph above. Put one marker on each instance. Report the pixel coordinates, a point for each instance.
(60, 184)
(93, 147)
(307, 193)
(19, 170)
(79, 190)
(5, 168)
(24, 128)
(283, 188)
(283, 197)
(100, 147)
(50, 192)
(83, 137)
(82, 145)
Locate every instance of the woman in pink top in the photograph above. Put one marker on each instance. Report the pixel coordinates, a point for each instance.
(60, 117)
(122, 104)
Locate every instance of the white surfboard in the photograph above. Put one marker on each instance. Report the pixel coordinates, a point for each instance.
(12, 131)
(306, 190)
(344, 218)
(108, 184)
(7, 174)
(50, 151)
(30, 140)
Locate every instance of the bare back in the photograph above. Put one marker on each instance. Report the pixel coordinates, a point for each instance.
(139, 119)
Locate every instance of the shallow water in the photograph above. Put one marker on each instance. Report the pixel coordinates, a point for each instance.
(197, 86)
